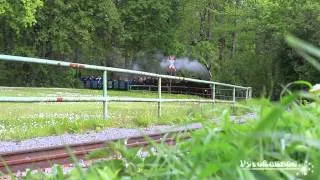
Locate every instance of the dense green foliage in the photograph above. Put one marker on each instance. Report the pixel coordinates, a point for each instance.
(238, 41)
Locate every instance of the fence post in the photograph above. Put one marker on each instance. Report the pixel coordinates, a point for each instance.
(234, 95)
(247, 93)
(159, 97)
(105, 103)
(214, 93)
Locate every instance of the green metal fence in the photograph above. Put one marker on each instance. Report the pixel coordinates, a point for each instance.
(105, 98)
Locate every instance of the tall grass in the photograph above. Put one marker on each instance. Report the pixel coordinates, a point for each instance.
(217, 153)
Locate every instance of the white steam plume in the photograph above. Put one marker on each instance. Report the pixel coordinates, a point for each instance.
(185, 63)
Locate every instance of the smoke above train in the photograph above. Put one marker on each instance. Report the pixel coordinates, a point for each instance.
(159, 63)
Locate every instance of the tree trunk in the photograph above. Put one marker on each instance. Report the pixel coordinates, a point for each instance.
(202, 24)
(208, 67)
(210, 21)
(234, 44)
(234, 33)
(222, 43)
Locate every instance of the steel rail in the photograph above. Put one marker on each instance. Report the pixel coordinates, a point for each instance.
(46, 157)
(103, 68)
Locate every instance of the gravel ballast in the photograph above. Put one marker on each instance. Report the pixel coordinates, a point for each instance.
(106, 135)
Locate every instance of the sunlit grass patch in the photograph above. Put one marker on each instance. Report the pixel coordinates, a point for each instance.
(53, 92)
(43, 119)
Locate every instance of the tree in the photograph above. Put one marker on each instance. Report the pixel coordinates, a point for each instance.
(238, 41)
(20, 13)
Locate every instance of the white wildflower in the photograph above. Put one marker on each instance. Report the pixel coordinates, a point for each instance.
(315, 88)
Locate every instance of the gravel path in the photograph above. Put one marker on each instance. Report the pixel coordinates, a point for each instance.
(106, 135)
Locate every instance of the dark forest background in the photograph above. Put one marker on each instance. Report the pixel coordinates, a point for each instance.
(238, 41)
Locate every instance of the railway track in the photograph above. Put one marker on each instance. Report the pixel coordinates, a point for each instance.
(45, 157)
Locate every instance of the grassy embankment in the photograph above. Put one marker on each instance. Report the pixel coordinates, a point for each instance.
(26, 120)
(284, 132)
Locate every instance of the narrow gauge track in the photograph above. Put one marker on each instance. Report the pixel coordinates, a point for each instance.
(45, 157)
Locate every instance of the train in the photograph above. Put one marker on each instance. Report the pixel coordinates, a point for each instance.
(151, 84)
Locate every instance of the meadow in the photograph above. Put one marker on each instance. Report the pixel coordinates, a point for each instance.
(43, 119)
(285, 131)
